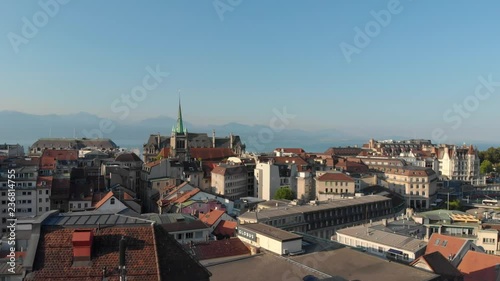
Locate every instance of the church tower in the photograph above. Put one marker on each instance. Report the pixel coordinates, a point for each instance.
(179, 143)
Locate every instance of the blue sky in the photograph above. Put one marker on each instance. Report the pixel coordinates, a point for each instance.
(262, 55)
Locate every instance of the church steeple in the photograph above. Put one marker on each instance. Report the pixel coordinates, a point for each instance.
(179, 129)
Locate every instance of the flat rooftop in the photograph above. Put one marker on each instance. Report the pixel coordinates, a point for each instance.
(270, 231)
(340, 265)
(324, 205)
(391, 239)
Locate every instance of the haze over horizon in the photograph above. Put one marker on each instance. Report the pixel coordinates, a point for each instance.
(413, 77)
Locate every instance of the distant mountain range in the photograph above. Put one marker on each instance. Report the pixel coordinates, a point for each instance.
(27, 128)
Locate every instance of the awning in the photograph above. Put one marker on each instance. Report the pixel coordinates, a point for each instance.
(396, 252)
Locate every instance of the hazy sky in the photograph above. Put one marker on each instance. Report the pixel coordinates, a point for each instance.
(239, 64)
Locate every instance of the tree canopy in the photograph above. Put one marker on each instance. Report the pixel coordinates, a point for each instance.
(284, 192)
(486, 167)
(491, 154)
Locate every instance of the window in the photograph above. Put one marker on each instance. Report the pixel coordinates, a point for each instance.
(47, 192)
(3, 193)
(39, 192)
(189, 235)
(380, 249)
(112, 201)
(488, 241)
(179, 236)
(39, 209)
(46, 209)
(39, 200)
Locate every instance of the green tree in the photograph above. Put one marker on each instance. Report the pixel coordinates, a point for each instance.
(486, 167)
(491, 154)
(284, 192)
(455, 205)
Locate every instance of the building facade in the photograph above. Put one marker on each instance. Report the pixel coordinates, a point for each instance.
(180, 141)
(322, 219)
(417, 185)
(230, 180)
(459, 163)
(333, 184)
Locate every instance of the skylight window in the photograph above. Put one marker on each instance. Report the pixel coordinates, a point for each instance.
(437, 242)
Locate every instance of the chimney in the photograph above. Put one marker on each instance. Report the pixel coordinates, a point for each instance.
(231, 140)
(213, 138)
(82, 245)
(122, 268)
(158, 140)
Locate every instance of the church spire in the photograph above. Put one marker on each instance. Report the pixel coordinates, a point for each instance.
(179, 129)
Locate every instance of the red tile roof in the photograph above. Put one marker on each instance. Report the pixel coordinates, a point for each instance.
(186, 196)
(479, 266)
(451, 247)
(226, 228)
(164, 152)
(228, 170)
(335, 177)
(151, 255)
(211, 217)
(289, 160)
(211, 153)
(104, 199)
(220, 249)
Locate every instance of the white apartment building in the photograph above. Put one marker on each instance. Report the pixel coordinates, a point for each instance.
(459, 163)
(26, 196)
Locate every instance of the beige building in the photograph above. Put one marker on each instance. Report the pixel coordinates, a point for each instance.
(488, 240)
(270, 238)
(305, 186)
(230, 180)
(334, 184)
(417, 184)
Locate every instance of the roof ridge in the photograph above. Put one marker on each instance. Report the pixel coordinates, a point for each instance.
(156, 251)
